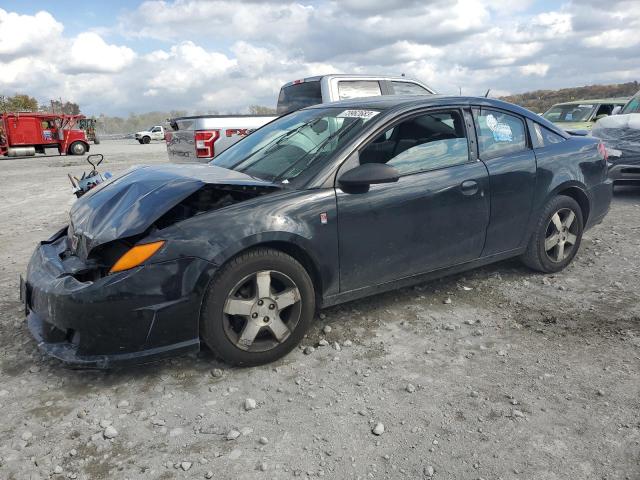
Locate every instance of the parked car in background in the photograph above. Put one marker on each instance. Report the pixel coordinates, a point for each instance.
(621, 135)
(156, 132)
(201, 138)
(582, 114)
(324, 205)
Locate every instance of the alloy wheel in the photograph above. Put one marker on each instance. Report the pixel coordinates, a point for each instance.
(262, 310)
(561, 235)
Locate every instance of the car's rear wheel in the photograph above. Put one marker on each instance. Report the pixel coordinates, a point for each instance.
(557, 236)
(258, 308)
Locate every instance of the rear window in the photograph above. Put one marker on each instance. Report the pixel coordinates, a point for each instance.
(358, 88)
(299, 95)
(407, 88)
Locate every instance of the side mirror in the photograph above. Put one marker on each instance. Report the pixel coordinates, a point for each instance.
(369, 174)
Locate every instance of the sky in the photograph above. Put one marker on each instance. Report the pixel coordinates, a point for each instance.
(120, 57)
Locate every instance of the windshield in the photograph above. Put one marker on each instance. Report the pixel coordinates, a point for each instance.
(569, 113)
(633, 106)
(286, 147)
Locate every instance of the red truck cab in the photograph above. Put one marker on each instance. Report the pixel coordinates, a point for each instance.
(28, 133)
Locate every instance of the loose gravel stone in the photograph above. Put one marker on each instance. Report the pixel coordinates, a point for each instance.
(217, 373)
(429, 471)
(309, 350)
(123, 404)
(249, 404)
(110, 432)
(410, 388)
(347, 343)
(447, 301)
(263, 440)
(323, 343)
(326, 329)
(378, 429)
(233, 434)
(57, 470)
(185, 466)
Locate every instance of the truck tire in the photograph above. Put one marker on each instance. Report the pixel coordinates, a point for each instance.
(146, 139)
(77, 148)
(96, 141)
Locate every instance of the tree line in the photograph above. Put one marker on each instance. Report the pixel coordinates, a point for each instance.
(540, 101)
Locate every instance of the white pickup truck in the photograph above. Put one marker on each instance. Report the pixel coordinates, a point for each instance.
(202, 137)
(154, 133)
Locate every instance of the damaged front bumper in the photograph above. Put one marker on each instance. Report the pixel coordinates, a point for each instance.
(148, 312)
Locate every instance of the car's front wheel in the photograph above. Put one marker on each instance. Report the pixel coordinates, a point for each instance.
(557, 236)
(258, 308)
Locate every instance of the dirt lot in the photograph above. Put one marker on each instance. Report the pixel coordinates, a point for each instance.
(520, 376)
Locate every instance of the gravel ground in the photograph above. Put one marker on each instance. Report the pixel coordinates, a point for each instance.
(498, 373)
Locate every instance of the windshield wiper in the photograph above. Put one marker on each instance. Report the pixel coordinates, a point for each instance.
(315, 149)
(270, 147)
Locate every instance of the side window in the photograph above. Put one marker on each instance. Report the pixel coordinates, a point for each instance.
(426, 142)
(499, 133)
(408, 88)
(358, 88)
(155, 129)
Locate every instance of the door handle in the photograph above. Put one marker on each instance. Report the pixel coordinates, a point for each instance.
(469, 187)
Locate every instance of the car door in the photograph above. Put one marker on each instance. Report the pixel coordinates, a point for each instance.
(435, 216)
(505, 148)
(156, 133)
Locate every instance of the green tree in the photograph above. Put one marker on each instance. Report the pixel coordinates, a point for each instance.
(261, 110)
(18, 103)
(57, 106)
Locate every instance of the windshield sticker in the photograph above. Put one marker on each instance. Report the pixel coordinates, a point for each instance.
(501, 131)
(365, 114)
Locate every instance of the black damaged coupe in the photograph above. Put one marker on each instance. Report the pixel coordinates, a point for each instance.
(322, 206)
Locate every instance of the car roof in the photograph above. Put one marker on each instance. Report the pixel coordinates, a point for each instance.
(391, 103)
(595, 101)
(316, 78)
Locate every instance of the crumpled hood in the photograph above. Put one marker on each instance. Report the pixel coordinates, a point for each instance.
(131, 203)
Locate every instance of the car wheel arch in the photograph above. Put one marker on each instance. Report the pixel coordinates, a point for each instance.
(289, 243)
(578, 193)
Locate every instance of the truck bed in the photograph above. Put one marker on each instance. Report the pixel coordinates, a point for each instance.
(230, 129)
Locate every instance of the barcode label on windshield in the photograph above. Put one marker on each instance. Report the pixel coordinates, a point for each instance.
(366, 114)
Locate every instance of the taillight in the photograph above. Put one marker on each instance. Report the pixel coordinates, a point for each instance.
(204, 142)
(602, 150)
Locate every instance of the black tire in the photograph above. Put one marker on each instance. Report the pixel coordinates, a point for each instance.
(77, 148)
(96, 141)
(216, 326)
(537, 257)
(146, 139)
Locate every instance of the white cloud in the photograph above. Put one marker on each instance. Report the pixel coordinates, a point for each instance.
(89, 53)
(223, 56)
(539, 69)
(26, 34)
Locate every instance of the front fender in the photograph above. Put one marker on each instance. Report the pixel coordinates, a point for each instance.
(306, 219)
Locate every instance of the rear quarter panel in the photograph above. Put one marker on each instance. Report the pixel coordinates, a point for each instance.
(574, 162)
(181, 144)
